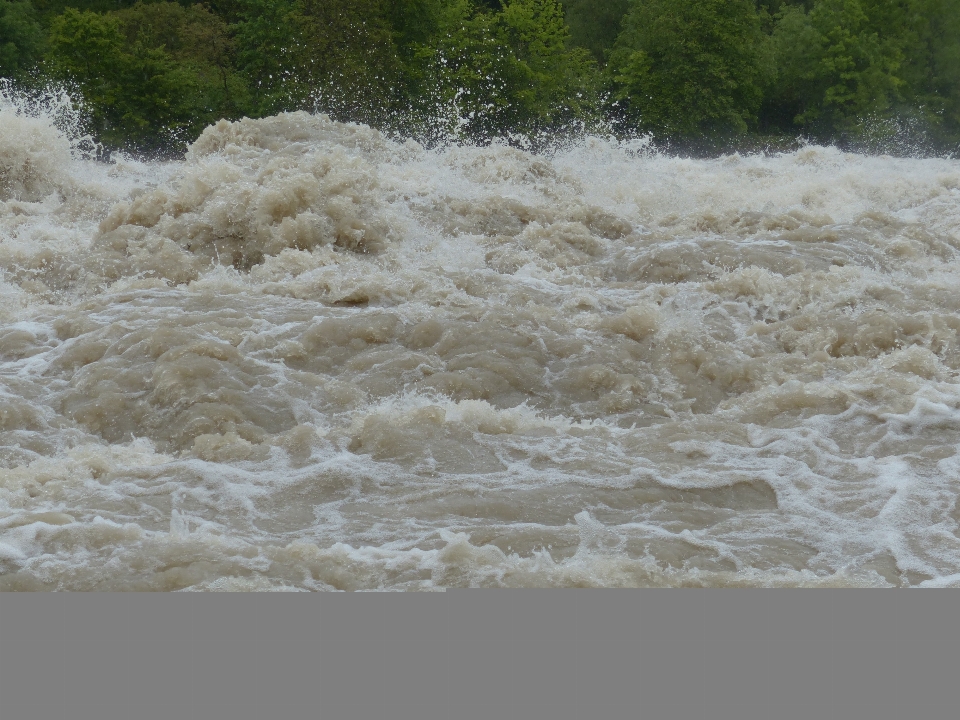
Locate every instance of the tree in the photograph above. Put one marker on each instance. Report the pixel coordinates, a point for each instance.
(336, 55)
(198, 43)
(141, 94)
(927, 35)
(156, 71)
(595, 25)
(690, 68)
(21, 38)
(506, 71)
(834, 67)
(562, 79)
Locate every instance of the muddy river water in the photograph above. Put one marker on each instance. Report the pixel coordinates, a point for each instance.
(308, 357)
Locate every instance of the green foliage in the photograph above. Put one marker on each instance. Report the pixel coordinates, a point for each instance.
(340, 53)
(928, 38)
(155, 72)
(418, 23)
(505, 71)
(560, 81)
(57, 7)
(199, 43)
(834, 67)
(142, 93)
(690, 68)
(270, 39)
(352, 58)
(594, 24)
(21, 37)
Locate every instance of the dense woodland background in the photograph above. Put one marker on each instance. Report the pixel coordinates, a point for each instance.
(700, 75)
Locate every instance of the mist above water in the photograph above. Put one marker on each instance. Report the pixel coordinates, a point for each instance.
(312, 357)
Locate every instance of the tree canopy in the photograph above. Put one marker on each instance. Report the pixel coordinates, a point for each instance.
(154, 72)
(691, 67)
(21, 37)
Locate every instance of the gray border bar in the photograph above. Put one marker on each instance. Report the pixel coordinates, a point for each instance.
(582, 653)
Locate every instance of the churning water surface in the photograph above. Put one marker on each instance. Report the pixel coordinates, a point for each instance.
(311, 357)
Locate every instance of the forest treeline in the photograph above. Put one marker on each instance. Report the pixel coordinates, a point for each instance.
(705, 73)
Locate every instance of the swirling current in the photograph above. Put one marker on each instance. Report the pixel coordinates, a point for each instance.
(311, 357)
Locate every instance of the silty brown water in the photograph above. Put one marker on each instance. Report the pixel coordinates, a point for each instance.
(309, 357)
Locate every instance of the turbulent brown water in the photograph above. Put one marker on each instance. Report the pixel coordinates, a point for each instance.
(310, 357)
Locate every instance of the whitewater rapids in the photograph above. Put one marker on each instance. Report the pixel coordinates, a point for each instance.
(309, 357)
